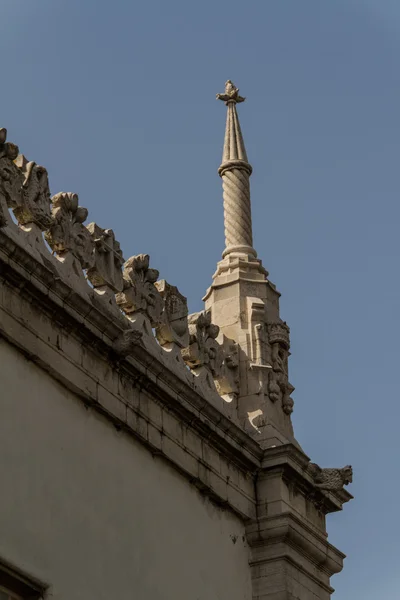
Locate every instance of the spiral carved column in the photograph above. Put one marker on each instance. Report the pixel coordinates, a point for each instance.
(237, 208)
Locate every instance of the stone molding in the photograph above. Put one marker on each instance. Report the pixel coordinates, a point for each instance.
(295, 468)
(292, 532)
(113, 370)
(290, 552)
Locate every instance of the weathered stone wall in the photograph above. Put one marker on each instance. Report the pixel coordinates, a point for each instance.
(89, 510)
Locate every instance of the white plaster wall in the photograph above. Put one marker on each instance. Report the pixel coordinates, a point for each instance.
(88, 510)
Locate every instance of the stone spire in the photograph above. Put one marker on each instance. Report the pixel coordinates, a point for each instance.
(235, 172)
(245, 304)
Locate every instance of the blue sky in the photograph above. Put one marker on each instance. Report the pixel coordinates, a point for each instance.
(117, 100)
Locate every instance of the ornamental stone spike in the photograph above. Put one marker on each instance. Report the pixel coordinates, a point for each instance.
(235, 172)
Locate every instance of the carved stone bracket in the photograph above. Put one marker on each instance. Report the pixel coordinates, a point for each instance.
(330, 479)
(139, 294)
(106, 273)
(173, 328)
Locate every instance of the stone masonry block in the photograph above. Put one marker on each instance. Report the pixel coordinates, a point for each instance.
(112, 404)
(218, 485)
(263, 587)
(243, 504)
(110, 379)
(180, 456)
(71, 347)
(211, 457)
(204, 473)
(154, 411)
(90, 363)
(137, 423)
(246, 483)
(128, 392)
(192, 442)
(154, 437)
(172, 426)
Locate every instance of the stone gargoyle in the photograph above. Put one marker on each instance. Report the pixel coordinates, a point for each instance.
(330, 479)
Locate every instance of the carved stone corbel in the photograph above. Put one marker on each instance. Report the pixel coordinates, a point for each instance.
(140, 295)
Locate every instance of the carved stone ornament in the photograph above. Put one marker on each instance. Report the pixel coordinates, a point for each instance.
(279, 387)
(35, 207)
(227, 382)
(279, 333)
(67, 235)
(203, 349)
(173, 328)
(330, 479)
(139, 293)
(11, 179)
(108, 260)
(231, 93)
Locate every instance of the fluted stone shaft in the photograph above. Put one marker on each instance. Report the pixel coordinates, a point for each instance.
(235, 172)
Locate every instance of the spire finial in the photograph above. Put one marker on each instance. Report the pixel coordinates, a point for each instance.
(231, 94)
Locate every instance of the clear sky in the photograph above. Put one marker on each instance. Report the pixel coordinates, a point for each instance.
(117, 100)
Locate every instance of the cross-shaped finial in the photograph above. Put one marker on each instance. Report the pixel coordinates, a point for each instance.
(231, 93)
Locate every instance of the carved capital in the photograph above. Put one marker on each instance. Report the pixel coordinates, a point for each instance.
(67, 234)
(108, 259)
(173, 328)
(139, 293)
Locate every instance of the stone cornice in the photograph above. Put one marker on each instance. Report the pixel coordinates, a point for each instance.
(33, 290)
(275, 536)
(293, 463)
